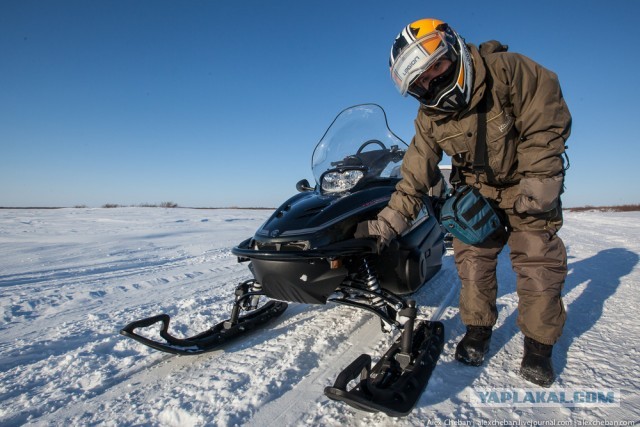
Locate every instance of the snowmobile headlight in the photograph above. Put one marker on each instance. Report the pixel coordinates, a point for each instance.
(338, 181)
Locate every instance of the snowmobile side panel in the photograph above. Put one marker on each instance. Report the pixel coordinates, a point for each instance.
(410, 261)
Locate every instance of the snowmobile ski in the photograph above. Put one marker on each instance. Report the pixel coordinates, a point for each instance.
(206, 341)
(395, 383)
(216, 336)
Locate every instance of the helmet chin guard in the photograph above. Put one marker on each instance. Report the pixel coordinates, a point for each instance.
(420, 45)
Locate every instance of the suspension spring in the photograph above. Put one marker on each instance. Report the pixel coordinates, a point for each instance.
(371, 283)
(256, 287)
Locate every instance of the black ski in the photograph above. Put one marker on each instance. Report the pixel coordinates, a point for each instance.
(208, 340)
(395, 383)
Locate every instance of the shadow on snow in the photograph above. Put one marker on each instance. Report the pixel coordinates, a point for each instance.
(584, 312)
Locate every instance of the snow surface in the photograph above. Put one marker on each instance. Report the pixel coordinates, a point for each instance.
(71, 278)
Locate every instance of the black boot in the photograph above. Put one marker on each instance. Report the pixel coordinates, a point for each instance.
(536, 364)
(474, 345)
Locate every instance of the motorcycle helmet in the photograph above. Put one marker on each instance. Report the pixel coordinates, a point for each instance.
(417, 48)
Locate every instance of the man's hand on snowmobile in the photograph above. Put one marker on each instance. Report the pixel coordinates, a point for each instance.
(379, 228)
(389, 224)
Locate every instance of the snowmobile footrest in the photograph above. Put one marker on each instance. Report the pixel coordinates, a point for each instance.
(205, 341)
(389, 387)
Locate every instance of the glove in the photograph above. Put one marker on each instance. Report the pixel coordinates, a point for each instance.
(380, 229)
(389, 224)
(538, 195)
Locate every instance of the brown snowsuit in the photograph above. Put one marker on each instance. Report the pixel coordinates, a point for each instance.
(528, 123)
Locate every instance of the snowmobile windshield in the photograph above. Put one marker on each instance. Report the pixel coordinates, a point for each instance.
(357, 145)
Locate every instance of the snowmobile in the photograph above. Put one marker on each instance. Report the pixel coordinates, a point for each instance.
(306, 253)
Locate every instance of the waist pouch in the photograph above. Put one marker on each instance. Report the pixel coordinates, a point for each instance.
(469, 216)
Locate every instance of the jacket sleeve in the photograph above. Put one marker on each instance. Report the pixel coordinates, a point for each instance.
(544, 123)
(542, 116)
(419, 168)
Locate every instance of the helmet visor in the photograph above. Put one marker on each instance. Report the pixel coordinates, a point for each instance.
(416, 58)
(436, 86)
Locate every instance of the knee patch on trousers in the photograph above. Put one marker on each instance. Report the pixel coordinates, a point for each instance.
(539, 259)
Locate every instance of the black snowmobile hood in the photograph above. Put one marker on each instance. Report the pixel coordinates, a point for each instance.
(310, 213)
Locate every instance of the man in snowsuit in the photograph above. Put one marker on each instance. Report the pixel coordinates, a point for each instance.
(527, 124)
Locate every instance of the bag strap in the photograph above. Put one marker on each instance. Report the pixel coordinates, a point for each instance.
(459, 194)
(480, 160)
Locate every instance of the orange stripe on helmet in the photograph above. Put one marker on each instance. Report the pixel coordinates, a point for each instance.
(461, 77)
(431, 45)
(423, 27)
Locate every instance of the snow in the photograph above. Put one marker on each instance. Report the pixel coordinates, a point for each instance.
(71, 278)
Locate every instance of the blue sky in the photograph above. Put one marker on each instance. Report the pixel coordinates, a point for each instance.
(220, 103)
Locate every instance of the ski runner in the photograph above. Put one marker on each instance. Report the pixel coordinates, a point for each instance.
(527, 125)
